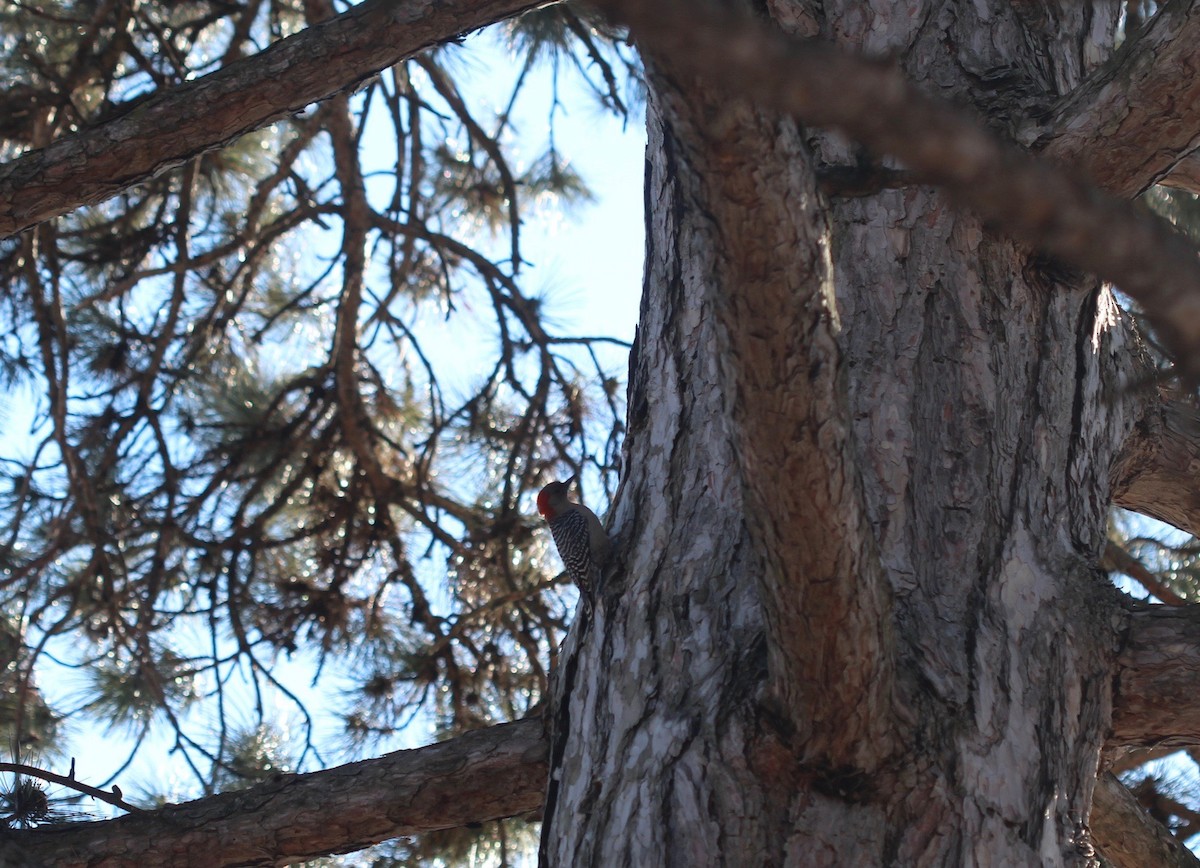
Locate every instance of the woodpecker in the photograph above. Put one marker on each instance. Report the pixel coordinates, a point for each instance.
(578, 535)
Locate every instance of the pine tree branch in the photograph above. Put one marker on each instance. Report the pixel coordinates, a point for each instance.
(1127, 836)
(484, 775)
(1033, 199)
(1157, 471)
(113, 797)
(173, 126)
(1129, 124)
(1156, 700)
(1116, 558)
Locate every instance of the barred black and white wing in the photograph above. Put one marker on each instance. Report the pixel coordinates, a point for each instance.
(571, 538)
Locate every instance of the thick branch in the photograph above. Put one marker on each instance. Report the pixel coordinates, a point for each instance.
(484, 775)
(1157, 696)
(172, 127)
(1159, 468)
(1185, 175)
(873, 103)
(1156, 704)
(1129, 124)
(1127, 836)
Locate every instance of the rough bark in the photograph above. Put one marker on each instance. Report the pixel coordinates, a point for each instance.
(884, 108)
(869, 101)
(501, 771)
(987, 392)
(1129, 125)
(1157, 702)
(871, 446)
(481, 776)
(171, 127)
(663, 743)
(747, 176)
(986, 388)
(1129, 837)
(1158, 473)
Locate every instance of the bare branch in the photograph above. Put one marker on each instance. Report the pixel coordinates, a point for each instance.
(484, 775)
(113, 797)
(1129, 124)
(1116, 558)
(1157, 696)
(1157, 472)
(1127, 836)
(173, 126)
(500, 772)
(873, 103)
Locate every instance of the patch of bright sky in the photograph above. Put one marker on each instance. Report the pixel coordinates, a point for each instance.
(584, 260)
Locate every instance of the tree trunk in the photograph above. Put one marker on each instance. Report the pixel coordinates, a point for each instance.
(858, 618)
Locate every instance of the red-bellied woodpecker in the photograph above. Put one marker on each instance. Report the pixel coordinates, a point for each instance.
(578, 535)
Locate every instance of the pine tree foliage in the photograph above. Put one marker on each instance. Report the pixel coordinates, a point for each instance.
(229, 440)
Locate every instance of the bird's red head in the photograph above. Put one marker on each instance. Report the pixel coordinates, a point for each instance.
(552, 497)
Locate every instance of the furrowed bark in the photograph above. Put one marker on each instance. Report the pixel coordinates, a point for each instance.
(983, 394)
(666, 683)
(968, 420)
(1157, 703)
(500, 772)
(771, 282)
(1158, 472)
(1129, 124)
(987, 388)
(873, 103)
(174, 126)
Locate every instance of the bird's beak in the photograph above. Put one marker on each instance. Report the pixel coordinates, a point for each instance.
(571, 481)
